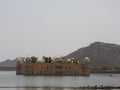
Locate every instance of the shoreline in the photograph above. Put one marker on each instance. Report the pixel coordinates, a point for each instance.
(81, 87)
(110, 72)
(97, 71)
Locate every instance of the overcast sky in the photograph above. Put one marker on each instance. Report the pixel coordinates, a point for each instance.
(56, 27)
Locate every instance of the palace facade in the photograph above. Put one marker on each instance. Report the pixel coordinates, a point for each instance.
(57, 67)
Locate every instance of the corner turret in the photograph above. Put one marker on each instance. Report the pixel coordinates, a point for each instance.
(86, 60)
(86, 66)
(19, 60)
(18, 66)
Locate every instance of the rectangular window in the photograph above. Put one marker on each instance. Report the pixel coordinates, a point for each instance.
(41, 72)
(58, 67)
(69, 67)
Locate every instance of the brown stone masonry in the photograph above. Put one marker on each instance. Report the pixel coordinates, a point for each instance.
(54, 68)
(69, 69)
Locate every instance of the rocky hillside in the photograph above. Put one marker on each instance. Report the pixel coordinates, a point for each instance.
(101, 54)
(8, 63)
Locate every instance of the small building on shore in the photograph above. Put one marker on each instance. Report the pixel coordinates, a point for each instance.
(53, 67)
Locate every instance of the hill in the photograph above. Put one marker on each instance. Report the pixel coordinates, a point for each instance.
(101, 54)
(8, 63)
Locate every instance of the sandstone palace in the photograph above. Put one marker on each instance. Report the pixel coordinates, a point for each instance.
(56, 66)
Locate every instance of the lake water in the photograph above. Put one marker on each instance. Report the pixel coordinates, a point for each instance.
(11, 81)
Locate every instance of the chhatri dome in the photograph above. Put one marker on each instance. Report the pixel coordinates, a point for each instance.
(87, 59)
(19, 59)
(57, 59)
(28, 58)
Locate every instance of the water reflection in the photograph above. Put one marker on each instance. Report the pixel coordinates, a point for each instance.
(10, 79)
(55, 89)
(26, 89)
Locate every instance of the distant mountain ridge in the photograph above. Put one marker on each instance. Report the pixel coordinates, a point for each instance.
(101, 55)
(8, 63)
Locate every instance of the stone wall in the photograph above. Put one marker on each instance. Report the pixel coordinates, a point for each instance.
(65, 69)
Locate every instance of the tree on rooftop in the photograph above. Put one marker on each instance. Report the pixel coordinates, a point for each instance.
(47, 59)
(34, 59)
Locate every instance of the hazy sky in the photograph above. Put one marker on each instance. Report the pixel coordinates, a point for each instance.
(56, 27)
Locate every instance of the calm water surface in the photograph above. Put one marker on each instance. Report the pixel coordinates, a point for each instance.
(10, 79)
